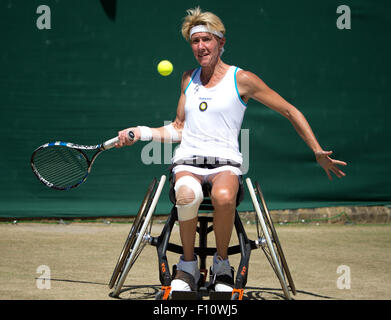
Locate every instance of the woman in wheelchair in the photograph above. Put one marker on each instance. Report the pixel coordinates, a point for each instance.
(209, 116)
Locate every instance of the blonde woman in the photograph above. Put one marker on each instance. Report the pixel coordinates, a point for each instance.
(209, 115)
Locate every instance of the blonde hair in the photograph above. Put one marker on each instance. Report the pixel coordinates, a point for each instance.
(197, 17)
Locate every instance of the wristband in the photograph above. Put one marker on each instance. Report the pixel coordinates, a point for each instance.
(145, 133)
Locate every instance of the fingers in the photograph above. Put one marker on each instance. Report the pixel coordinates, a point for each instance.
(329, 164)
(329, 175)
(320, 154)
(121, 141)
(338, 172)
(335, 169)
(124, 138)
(342, 163)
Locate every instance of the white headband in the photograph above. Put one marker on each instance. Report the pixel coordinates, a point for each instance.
(203, 28)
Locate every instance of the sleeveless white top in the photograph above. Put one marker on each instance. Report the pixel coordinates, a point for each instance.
(213, 119)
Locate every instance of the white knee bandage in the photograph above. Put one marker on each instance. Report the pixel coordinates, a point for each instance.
(190, 210)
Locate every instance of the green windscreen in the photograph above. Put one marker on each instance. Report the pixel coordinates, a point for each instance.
(92, 73)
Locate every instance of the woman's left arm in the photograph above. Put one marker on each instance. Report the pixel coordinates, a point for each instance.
(251, 86)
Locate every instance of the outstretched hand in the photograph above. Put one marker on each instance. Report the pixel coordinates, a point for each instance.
(330, 165)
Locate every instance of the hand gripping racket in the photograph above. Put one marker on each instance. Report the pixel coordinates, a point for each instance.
(64, 165)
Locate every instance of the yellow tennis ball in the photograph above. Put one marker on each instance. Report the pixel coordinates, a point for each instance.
(165, 67)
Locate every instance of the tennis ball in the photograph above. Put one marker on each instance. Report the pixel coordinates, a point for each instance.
(165, 67)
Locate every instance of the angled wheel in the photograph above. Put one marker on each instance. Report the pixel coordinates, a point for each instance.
(267, 243)
(275, 239)
(139, 237)
(140, 217)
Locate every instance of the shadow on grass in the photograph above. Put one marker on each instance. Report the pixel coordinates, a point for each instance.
(149, 292)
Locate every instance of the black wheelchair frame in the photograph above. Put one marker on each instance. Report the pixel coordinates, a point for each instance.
(139, 236)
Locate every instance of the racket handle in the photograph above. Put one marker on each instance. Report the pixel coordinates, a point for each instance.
(111, 143)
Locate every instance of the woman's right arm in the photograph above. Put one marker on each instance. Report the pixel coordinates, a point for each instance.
(169, 133)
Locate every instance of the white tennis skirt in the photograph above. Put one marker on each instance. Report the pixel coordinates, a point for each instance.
(206, 171)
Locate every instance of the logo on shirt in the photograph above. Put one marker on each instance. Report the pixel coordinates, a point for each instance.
(203, 106)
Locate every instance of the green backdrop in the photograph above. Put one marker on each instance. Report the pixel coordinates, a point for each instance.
(91, 75)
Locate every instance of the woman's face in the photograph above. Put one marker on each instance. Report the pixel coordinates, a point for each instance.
(206, 48)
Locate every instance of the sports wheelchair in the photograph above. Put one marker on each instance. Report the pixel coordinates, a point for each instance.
(140, 235)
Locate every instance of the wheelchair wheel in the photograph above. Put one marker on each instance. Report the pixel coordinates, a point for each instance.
(267, 243)
(133, 231)
(139, 237)
(270, 225)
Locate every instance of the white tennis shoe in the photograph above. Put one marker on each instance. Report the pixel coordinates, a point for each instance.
(222, 275)
(186, 276)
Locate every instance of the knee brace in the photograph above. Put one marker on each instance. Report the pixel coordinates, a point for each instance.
(189, 193)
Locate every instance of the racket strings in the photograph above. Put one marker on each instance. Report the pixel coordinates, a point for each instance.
(60, 165)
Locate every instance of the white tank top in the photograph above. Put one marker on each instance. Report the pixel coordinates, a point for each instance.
(213, 119)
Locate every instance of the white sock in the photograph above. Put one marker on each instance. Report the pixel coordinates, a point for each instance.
(189, 267)
(221, 267)
(218, 260)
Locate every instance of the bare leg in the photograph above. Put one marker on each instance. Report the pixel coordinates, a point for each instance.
(225, 186)
(187, 229)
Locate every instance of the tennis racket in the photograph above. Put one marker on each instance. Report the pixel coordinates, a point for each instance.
(63, 165)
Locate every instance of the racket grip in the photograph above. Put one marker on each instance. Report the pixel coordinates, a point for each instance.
(111, 143)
